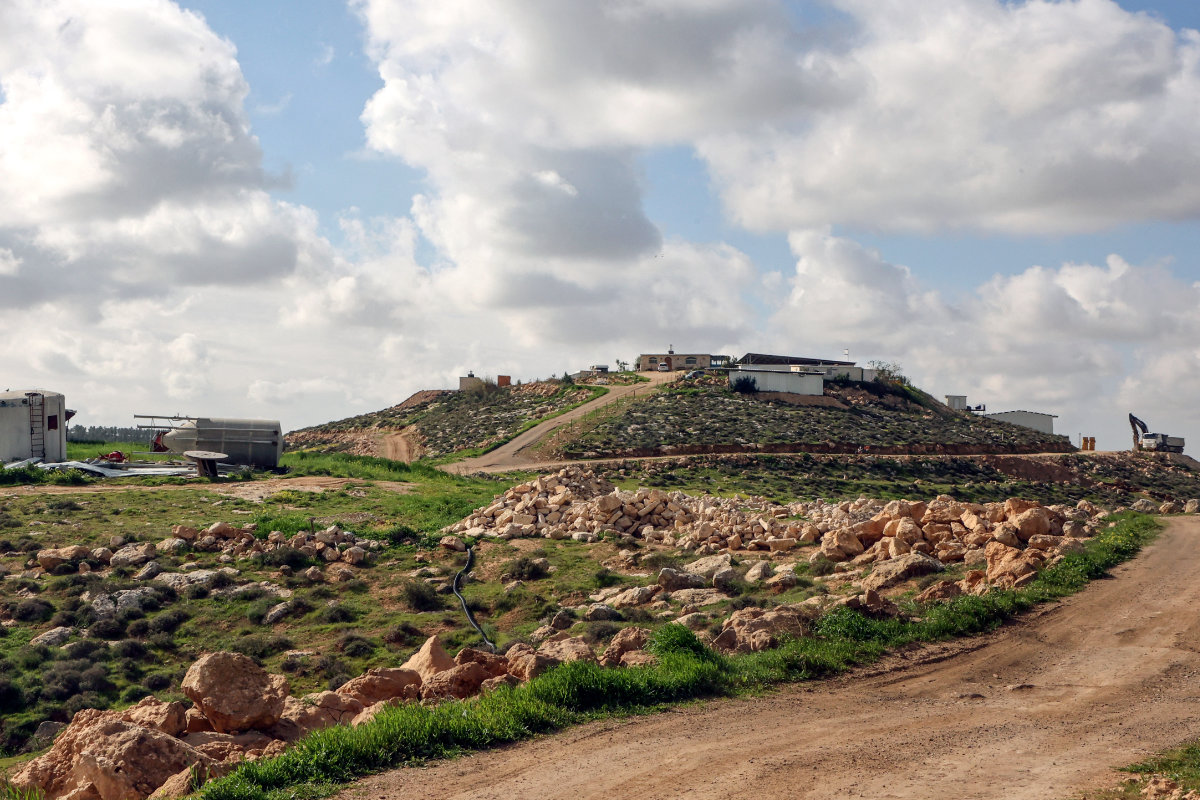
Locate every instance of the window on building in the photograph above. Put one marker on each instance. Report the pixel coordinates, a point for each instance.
(52, 422)
(690, 360)
(653, 359)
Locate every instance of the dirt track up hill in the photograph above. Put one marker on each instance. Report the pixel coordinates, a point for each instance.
(1044, 708)
(439, 422)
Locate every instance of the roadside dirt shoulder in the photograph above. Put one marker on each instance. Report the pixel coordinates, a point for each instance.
(1039, 709)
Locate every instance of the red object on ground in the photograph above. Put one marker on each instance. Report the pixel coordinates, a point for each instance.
(115, 455)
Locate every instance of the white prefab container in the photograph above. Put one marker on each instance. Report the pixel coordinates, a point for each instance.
(33, 424)
(253, 442)
(1035, 420)
(767, 380)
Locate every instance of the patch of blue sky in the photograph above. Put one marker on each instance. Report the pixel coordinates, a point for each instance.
(309, 81)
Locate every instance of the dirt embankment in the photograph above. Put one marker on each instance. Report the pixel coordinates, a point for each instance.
(1042, 709)
(826, 447)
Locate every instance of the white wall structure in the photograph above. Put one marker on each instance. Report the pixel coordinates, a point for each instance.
(957, 402)
(767, 380)
(1027, 419)
(33, 424)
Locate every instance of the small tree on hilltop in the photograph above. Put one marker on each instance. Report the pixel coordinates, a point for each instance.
(889, 372)
(745, 385)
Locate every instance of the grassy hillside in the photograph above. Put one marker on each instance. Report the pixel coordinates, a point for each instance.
(707, 416)
(444, 423)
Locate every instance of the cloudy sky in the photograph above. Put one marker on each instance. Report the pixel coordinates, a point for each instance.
(304, 210)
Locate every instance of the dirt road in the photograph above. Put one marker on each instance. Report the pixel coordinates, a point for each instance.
(515, 454)
(1041, 709)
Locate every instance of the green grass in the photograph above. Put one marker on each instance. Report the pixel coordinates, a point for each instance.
(1182, 765)
(686, 670)
(82, 451)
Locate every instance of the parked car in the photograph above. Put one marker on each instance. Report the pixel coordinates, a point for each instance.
(663, 367)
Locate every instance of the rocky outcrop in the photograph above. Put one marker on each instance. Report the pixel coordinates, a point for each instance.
(626, 641)
(233, 693)
(376, 685)
(750, 630)
(99, 756)
(458, 682)
(567, 649)
(525, 664)
(431, 659)
(887, 574)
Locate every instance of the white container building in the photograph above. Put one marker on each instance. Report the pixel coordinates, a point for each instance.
(1036, 420)
(769, 380)
(33, 424)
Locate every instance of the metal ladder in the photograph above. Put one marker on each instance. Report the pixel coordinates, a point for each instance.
(37, 424)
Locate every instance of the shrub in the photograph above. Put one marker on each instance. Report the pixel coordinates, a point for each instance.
(129, 648)
(87, 648)
(605, 577)
(601, 631)
(745, 385)
(157, 681)
(258, 610)
(134, 693)
(138, 628)
(169, 620)
(107, 628)
(64, 619)
(821, 566)
(161, 641)
(12, 699)
(30, 658)
(196, 591)
(33, 609)
(259, 647)
(355, 646)
(95, 679)
(287, 557)
(128, 668)
(403, 635)
(336, 612)
(525, 569)
(420, 596)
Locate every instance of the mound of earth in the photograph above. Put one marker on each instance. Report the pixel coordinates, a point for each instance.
(439, 422)
(850, 418)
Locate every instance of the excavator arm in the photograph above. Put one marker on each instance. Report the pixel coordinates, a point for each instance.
(1139, 429)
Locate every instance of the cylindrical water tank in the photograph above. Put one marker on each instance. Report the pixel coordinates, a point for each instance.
(253, 442)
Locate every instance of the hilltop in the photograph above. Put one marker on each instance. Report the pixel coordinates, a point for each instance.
(704, 415)
(693, 415)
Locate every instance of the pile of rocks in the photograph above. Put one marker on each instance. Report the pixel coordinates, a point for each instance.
(574, 503)
(331, 545)
(240, 712)
(1012, 539)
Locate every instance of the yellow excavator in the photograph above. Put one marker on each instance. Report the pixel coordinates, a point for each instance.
(1143, 439)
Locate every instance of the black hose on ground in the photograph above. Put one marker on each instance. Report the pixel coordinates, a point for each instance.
(463, 602)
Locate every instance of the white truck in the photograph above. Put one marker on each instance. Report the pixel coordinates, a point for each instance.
(1143, 439)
